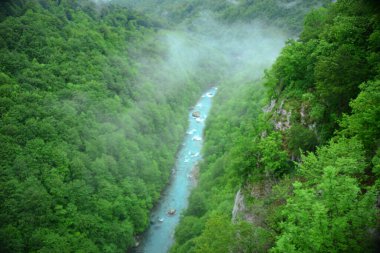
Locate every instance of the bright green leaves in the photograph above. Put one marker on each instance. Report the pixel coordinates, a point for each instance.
(190, 227)
(365, 118)
(347, 29)
(336, 53)
(221, 235)
(346, 155)
(273, 158)
(218, 236)
(330, 211)
(376, 164)
(314, 24)
(333, 217)
(198, 205)
(293, 69)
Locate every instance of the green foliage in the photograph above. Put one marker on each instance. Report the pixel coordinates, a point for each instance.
(363, 123)
(82, 154)
(345, 155)
(300, 138)
(198, 204)
(334, 55)
(332, 217)
(376, 163)
(273, 157)
(218, 236)
(190, 227)
(330, 208)
(314, 24)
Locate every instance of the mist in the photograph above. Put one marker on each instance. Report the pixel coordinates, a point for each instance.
(246, 48)
(212, 52)
(101, 1)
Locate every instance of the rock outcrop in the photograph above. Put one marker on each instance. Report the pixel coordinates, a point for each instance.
(239, 205)
(196, 114)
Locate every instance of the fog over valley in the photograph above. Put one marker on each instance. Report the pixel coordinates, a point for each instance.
(189, 126)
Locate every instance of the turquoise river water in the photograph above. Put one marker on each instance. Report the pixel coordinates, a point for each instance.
(159, 237)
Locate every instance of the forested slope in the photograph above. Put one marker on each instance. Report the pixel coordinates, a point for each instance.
(285, 14)
(87, 142)
(298, 170)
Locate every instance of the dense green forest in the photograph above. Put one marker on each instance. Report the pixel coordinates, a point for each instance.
(94, 99)
(297, 171)
(87, 139)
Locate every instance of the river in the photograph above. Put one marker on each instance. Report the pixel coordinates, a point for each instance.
(159, 236)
